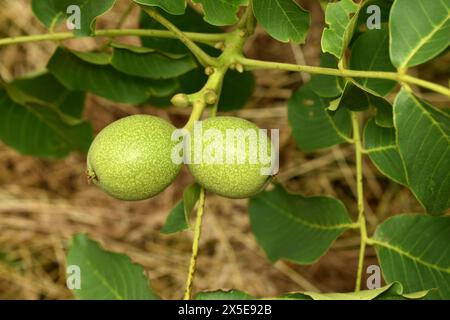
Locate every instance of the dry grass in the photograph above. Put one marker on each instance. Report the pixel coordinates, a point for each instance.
(43, 203)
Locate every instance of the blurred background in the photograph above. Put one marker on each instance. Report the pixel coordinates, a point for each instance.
(44, 202)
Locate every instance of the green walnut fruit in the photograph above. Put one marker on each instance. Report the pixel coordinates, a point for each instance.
(226, 157)
(131, 160)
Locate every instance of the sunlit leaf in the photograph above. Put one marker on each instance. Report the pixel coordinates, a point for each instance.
(284, 20)
(341, 19)
(413, 249)
(222, 12)
(423, 138)
(419, 31)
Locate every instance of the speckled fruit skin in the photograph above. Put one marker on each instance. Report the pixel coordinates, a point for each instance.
(232, 180)
(130, 159)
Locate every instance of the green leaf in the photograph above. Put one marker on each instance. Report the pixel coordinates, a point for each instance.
(106, 275)
(393, 290)
(190, 21)
(413, 249)
(382, 149)
(323, 85)
(341, 19)
(237, 90)
(150, 63)
(39, 130)
(53, 12)
(284, 20)
(224, 295)
(353, 98)
(178, 219)
(87, 72)
(313, 127)
(418, 30)
(384, 115)
(45, 87)
(176, 7)
(294, 227)
(424, 143)
(221, 12)
(370, 52)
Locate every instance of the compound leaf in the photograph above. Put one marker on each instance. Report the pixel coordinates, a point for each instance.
(284, 20)
(46, 88)
(413, 249)
(53, 12)
(190, 21)
(341, 19)
(150, 63)
(40, 130)
(106, 275)
(424, 143)
(221, 12)
(297, 228)
(353, 98)
(324, 85)
(370, 52)
(419, 31)
(382, 149)
(384, 116)
(313, 126)
(89, 72)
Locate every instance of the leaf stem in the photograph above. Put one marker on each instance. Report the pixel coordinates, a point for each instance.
(360, 196)
(207, 38)
(201, 55)
(195, 245)
(252, 64)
